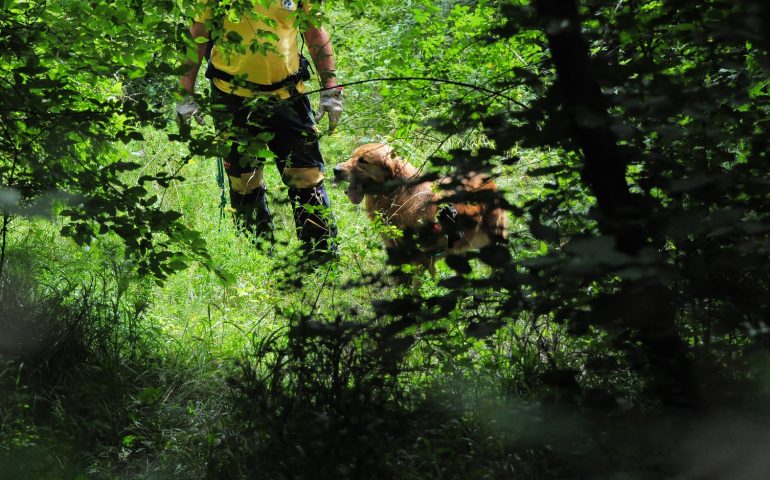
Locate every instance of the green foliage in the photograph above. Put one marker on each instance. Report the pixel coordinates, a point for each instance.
(68, 94)
(630, 143)
(658, 137)
(87, 376)
(328, 400)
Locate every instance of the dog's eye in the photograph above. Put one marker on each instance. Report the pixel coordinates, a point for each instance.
(362, 160)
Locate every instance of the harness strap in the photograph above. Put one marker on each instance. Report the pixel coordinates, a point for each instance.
(222, 188)
(293, 79)
(447, 223)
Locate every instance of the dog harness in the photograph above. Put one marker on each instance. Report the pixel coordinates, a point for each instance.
(447, 223)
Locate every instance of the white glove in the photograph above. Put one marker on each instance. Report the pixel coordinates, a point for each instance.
(331, 101)
(187, 108)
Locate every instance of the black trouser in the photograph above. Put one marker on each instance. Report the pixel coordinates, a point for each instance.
(267, 127)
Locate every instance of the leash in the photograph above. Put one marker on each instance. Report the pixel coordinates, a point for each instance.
(222, 186)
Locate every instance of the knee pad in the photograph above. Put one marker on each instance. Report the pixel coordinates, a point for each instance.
(247, 182)
(302, 177)
(257, 197)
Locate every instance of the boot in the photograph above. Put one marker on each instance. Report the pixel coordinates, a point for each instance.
(315, 224)
(253, 216)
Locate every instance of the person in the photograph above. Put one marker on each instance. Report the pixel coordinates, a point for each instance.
(258, 104)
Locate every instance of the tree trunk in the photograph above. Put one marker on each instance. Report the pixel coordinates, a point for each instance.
(622, 213)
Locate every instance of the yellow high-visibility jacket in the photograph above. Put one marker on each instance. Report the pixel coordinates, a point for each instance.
(266, 47)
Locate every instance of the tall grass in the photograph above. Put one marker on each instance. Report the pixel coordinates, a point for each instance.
(107, 375)
(123, 378)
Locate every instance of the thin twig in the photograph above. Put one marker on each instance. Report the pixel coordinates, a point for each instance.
(479, 88)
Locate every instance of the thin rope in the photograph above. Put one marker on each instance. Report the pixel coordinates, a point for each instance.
(221, 183)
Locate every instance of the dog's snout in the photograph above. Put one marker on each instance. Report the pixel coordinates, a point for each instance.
(339, 173)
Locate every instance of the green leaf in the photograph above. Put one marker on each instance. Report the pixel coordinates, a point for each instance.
(266, 153)
(234, 37)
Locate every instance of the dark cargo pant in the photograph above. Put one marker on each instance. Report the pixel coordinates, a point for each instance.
(268, 127)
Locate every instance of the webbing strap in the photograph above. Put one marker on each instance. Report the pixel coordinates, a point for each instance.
(213, 72)
(222, 188)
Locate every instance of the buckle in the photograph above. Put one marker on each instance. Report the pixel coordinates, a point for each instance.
(292, 89)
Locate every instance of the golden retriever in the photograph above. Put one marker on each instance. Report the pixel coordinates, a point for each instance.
(392, 190)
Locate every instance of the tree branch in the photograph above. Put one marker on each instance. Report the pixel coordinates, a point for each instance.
(478, 88)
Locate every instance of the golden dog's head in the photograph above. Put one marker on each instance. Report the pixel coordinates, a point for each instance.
(371, 165)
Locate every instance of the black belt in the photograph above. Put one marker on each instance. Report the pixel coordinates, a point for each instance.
(293, 79)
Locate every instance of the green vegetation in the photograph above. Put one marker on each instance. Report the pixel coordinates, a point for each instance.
(622, 334)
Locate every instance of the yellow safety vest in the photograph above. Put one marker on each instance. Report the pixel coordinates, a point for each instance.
(265, 47)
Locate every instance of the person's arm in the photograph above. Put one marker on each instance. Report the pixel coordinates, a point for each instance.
(322, 53)
(187, 80)
(186, 107)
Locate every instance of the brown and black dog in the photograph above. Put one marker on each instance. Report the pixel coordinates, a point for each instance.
(393, 191)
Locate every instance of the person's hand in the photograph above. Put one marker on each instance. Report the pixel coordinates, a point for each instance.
(187, 108)
(331, 102)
